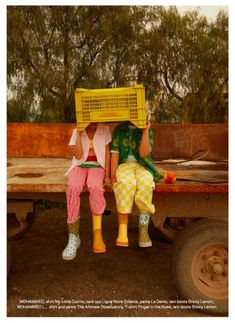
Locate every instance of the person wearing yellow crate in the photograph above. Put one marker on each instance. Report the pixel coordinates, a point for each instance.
(133, 176)
(90, 166)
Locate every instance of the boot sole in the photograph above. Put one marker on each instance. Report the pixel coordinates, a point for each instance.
(99, 250)
(145, 244)
(69, 257)
(122, 244)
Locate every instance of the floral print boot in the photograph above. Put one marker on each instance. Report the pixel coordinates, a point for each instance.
(144, 239)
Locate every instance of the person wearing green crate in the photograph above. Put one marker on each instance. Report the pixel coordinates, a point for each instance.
(133, 176)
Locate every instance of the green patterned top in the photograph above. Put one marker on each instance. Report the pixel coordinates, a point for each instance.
(126, 141)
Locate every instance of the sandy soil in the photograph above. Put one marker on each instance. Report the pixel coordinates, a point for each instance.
(123, 282)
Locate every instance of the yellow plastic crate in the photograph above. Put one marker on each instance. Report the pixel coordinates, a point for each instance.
(108, 105)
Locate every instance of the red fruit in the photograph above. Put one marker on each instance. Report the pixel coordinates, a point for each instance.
(170, 177)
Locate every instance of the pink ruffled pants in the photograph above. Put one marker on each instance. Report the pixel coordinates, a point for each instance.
(77, 178)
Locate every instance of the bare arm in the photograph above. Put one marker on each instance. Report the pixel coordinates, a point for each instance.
(114, 166)
(145, 148)
(77, 149)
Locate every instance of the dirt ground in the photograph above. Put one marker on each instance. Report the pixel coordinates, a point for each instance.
(126, 282)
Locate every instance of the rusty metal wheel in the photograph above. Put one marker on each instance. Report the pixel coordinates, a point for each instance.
(9, 256)
(17, 229)
(173, 226)
(20, 217)
(210, 270)
(200, 265)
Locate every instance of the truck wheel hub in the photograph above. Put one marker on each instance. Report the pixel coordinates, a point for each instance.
(210, 271)
(215, 265)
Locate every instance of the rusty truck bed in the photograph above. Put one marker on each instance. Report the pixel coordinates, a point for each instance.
(46, 175)
(38, 157)
(192, 212)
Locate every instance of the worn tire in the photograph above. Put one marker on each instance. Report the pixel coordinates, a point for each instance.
(198, 252)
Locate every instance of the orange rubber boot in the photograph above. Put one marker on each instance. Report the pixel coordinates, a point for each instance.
(122, 239)
(98, 243)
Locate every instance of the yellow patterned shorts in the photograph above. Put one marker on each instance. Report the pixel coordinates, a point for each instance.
(134, 183)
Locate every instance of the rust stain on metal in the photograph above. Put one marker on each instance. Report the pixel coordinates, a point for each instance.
(28, 175)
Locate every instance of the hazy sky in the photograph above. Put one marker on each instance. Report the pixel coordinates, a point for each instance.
(209, 11)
